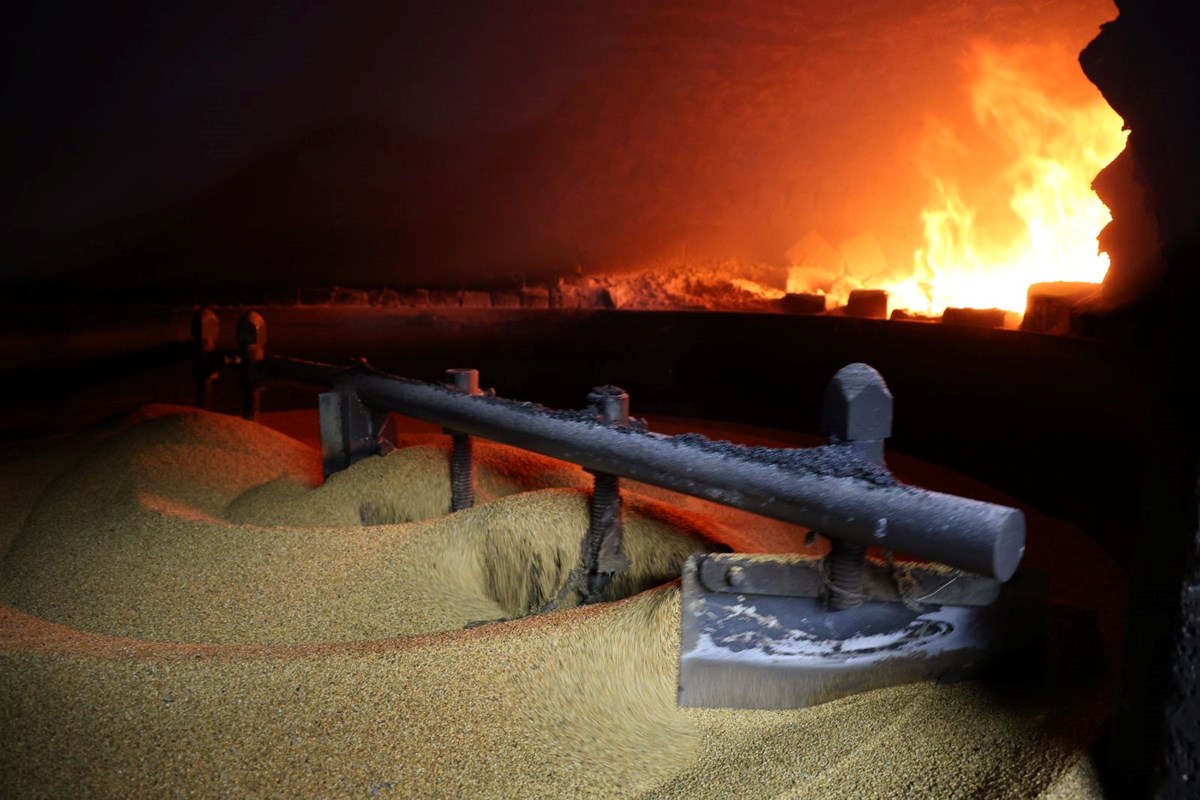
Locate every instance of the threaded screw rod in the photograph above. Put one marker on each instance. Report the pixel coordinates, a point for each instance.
(603, 555)
(845, 566)
(856, 411)
(462, 471)
(462, 447)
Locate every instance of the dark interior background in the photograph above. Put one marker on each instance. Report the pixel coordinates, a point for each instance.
(154, 149)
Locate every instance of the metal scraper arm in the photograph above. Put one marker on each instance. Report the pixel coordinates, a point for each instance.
(831, 489)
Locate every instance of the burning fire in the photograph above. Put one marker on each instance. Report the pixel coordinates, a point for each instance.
(991, 233)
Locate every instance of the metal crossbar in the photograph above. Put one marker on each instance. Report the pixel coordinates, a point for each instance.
(842, 489)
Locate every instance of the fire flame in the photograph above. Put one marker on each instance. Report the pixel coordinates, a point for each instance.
(1055, 134)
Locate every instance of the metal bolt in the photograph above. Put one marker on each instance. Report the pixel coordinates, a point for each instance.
(462, 462)
(845, 567)
(603, 553)
(735, 577)
(857, 411)
(206, 327)
(252, 348)
(610, 404)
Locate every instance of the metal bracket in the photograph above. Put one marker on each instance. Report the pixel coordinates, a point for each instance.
(350, 431)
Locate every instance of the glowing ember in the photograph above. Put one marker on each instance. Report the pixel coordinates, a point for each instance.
(757, 289)
(991, 231)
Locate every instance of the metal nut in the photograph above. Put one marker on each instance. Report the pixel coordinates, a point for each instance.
(857, 405)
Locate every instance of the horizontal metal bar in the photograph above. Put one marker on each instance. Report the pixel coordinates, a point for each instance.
(828, 489)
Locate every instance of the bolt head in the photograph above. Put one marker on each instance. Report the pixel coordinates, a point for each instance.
(610, 403)
(252, 329)
(464, 380)
(857, 405)
(206, 327)
(736, 577)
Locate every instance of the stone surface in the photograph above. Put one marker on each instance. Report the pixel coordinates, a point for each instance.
(413, 297)
(1049, 306)
(869, 303)
(350, 297)
(444, 297)
(506, 299)
(473, 299)
(975, 317)
(535, 297)
(386, 297)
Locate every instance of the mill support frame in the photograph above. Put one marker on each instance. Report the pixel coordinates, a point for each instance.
(789, 631)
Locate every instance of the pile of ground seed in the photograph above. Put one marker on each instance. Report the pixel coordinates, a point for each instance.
(410, 484)
(186, 610)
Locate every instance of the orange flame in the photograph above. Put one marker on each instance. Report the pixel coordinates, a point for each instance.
(756, 289)
(1053, 133)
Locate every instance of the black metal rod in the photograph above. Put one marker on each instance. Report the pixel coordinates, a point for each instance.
(829, 489)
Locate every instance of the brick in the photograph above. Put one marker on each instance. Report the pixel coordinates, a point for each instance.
(868, 303)
(803, 303)
(1048, 306)
(535, 297)
(444, 297)
(975, 317)
(506, 300)
(476, 299)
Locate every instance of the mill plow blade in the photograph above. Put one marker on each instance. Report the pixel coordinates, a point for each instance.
(758, 631)
(791, 631)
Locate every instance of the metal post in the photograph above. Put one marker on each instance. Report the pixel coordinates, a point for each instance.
(462, 463)
(252, 349)
(206, 327)
(603, 556)
(857, 409)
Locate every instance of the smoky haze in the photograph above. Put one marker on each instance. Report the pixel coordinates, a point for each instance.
(447, 144)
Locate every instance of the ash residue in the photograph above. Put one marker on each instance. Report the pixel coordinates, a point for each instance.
(536, 409)
(523, 406)
(831, 461)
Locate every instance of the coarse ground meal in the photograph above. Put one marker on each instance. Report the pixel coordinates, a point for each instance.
(186, 610)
